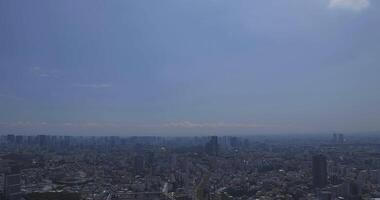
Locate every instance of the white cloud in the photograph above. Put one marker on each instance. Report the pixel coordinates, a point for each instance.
(188, 124)
(168, 125)
(354, 5)
(38, 71)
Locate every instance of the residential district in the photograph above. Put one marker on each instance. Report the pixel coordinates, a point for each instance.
(278, 167)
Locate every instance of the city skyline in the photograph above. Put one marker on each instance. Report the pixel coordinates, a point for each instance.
(189, 67)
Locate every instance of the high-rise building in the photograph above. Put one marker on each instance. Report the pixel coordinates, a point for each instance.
(351, 190)
(341, 139)
(234, 142)
(19, 139)
(10, 139)
(212, 146)
(42, 140)
(319, 171)
(335, 138)
(12, 184)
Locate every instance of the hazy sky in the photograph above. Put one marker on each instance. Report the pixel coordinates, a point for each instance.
(146, 67)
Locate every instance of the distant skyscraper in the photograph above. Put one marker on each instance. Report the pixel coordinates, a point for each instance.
(341, 139)
(335, 138)
(19, 139)
(319, 171)
(12, 184)
(354, 190)
(42, 140)
(212, 146)
(234, 142)
(67, 141)
(10, 139)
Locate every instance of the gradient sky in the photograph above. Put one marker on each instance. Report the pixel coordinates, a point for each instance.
(146, 67)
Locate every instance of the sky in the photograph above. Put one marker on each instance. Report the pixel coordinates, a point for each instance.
(189, 67)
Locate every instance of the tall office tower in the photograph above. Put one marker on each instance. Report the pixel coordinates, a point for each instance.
(42, 140)
(10, 139)
(234, 142)
(319, 171)
(12, 185)
(353, 191)
(214, 143)
(335, 138)
(212, 146)
(19, 139)
(67, 141)
(341, 139)
(30, 140)
(223, 143)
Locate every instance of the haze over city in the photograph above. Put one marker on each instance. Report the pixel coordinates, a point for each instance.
(189, 100)
(181, 67)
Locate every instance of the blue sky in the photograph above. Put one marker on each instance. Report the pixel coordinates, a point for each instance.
(144, 67)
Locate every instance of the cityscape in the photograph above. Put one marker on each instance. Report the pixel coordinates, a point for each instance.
(327, 167)
(189, 100)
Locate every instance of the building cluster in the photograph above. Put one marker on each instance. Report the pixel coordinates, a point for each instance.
(190, 168)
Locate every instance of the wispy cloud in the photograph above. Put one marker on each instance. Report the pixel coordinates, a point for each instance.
(94, 85)
(353, 5)
(168, 125)
(188, 124)
(38, 71)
